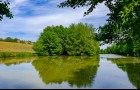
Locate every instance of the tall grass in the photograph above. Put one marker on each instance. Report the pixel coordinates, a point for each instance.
(16, 54)
(10, 49)
(15, 47)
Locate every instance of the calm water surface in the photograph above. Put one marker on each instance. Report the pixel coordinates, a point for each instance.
(106, 71)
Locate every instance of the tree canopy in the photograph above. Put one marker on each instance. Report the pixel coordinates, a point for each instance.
(5, 10)
(123, 29)
(81, 3)
(77, 39)
(123, 22)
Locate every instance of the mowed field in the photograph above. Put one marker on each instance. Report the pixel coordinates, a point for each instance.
(15, 47)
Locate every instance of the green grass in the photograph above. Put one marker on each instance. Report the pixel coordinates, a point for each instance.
(16, 54)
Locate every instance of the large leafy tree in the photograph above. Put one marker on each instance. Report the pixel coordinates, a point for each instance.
(123, 21)
(48, 42)
(77, 39)
(124, 17)
(124, 27)
(81, 3)
(5, 10)
(81, 40)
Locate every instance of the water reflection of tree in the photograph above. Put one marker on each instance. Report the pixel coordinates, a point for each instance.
(84, 77)
(77, 71)
(132, 67)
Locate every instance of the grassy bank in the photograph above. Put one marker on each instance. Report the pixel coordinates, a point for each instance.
(10, 49)
(16, 54)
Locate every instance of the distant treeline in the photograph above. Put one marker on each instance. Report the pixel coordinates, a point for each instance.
(9, 39)
(123, 47)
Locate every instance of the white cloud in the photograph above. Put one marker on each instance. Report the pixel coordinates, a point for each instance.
(15, 3)
(56, 2)
(46, 16)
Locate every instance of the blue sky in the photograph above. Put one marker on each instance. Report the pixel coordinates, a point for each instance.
(32, 16)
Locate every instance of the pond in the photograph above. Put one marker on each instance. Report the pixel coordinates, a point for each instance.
(106, 71)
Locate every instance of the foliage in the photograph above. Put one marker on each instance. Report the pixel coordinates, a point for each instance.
(75, 40)
(123, 22)
(81, 40)
(123, 28)
(9, 39)
(81, 3)
(48, 42)
(4, 9)
(123, 47)
(1, 39)
(92, 4)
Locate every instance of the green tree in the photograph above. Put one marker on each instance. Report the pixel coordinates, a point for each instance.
(123, 22)
(8, 39)
(123, 16)
(77, 39)
(48, 43)
(4, 9)
(62, 33)
(81, 40)
(15, 39)
(81, 3)
(1, 39)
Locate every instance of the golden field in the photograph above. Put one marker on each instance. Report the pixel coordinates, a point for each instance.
(15, 47)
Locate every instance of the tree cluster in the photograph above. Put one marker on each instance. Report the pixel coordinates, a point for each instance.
(123, 47)
(77, 39)
(123, 24)
(9, 39)
(122, 28)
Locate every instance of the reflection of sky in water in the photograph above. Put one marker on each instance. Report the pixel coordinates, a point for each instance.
(111, 56)
(110, 76)
(24, 75)
(19, 76)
